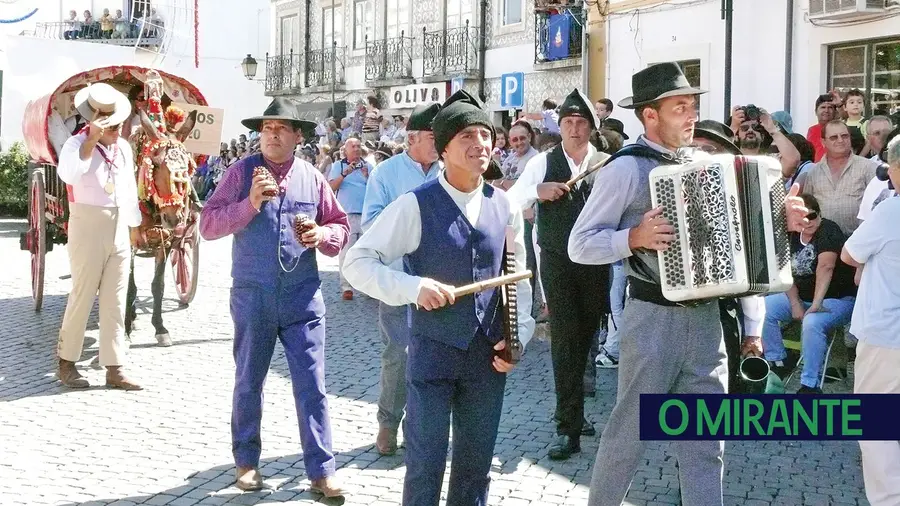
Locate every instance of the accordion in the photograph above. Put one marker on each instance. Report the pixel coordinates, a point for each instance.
(731, 237)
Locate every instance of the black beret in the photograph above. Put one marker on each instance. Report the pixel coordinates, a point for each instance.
(421, 117)
(576, 104)
(459, 112)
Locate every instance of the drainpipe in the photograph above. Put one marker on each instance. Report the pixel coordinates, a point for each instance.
(482, 49)
(585, 56)
(306, 41)
(727, 11)
(788, 54)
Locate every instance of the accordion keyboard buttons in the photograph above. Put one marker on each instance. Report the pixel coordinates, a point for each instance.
(672, 257)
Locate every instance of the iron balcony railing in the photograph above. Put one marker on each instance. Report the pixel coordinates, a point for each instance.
(124, 33)
(319, 66)
(451, 51)
(557, 46)
(389, 58)
(283, 72)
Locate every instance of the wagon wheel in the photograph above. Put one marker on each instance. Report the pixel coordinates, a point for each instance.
(185, 260)
(37, 231)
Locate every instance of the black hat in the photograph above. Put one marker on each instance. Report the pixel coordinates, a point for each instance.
(656, 82)
(614, 125)
(280, 109)
(717, 132)
(421, 117)
(576, 104)
(460, 111)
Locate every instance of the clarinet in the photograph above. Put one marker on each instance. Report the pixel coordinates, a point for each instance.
(512, 353)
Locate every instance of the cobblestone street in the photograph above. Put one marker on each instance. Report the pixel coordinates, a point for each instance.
(170, 444)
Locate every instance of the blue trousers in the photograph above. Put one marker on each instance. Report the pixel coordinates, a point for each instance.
(813, 336)
(296, 316)
(393, 325)
(448, 387)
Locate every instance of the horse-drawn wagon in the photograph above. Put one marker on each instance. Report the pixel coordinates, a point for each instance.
(170, 209)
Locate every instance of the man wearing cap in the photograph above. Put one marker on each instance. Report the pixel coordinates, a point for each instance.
(275, 291)
(452, 231)
(97, 164)
(577, 295)
(395, 176)
(665, 348)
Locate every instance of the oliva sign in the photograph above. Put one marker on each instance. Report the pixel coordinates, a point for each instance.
(207, 133)
(406, 97)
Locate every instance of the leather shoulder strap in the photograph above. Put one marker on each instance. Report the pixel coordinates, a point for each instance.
(641, 151)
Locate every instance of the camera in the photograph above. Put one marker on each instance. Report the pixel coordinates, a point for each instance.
(751, 112)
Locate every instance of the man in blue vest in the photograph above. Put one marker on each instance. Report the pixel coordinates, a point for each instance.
(390, 179)
(276, 292)
(451, 231)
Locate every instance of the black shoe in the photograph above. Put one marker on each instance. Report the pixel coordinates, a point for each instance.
(587, 429)
(808, 390)
(564, 447)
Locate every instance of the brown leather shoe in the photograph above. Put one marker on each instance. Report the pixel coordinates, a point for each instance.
(248, 479)
(347, 295)
(327, 486)
(386, 442)
(115, 378)
(69, 375)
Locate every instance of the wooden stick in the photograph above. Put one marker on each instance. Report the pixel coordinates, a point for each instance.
(490, 283)
(593, 168)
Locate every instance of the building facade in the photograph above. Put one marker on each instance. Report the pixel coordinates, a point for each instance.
(785, 53)
(408, 52)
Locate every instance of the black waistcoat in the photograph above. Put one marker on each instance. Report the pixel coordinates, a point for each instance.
(556, 219)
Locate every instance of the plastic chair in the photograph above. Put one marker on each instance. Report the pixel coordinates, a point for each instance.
(791, 335)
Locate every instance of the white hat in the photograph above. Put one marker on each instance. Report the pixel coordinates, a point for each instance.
(102, 99)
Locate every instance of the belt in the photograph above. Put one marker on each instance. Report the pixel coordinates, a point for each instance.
(652, 293)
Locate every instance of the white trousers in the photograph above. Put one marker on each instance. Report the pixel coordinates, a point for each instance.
(99, 252)
(876, 372)
(355, 221)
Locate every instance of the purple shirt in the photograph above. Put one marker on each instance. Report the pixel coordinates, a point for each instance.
(223, 214)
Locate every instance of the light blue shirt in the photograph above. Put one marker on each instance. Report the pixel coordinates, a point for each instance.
(876, 244)
(352, 192)
(392, 178)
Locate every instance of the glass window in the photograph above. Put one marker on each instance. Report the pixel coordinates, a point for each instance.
(512, 12)
(363, 22)
(290, 30)
(691, 69)
(874, 68)
(327, 31)
(397, 18)
(458, 12)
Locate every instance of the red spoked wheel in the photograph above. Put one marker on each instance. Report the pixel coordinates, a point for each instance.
(185, 261)
(37, 237)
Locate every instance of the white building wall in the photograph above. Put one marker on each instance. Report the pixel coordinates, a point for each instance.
(695, 30)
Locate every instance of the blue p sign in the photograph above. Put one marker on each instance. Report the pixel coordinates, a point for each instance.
(512, 90)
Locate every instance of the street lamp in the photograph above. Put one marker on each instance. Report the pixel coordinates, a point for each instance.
(249, 66)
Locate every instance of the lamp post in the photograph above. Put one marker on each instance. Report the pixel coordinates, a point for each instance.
(249, 66)
(333, 58)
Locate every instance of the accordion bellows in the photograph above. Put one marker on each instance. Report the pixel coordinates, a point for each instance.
(730, 227)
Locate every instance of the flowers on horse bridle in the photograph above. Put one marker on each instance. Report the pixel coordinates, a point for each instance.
(164, 147)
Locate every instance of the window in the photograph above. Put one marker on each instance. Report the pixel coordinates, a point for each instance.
(290, 31)
(396, 18)
(691, 69)
(873, 67)
(458, 12)
(328, 32)
(511, 12)
(363, 22)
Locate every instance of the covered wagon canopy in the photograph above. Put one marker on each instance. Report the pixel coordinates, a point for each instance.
(49, 120)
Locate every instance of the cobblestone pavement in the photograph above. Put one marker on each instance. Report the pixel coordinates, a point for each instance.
(170, 444)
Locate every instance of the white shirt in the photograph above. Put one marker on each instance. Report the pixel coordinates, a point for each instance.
(88, 178)
(876, 243)
(876, 192)
(524, 190)
(397, 231)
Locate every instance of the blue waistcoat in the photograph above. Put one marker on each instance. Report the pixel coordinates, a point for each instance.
(256, 249)
(454, 252)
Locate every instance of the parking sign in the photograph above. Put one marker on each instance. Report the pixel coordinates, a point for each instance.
(512, 90)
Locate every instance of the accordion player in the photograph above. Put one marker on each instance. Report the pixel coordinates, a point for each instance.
(731, 237)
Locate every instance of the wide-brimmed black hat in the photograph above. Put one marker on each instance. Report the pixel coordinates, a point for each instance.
(421, 117)
(576, 104)
(280, 109)
(717, 132)
(614, 125)
(656, 82)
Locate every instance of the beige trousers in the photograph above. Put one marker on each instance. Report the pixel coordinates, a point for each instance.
(876, 373)
(355, 221)
(99, 253)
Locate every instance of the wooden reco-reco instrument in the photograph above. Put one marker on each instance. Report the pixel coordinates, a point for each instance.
(731, 237)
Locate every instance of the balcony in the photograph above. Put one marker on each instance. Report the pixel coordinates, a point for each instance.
(325, 67)
(389, 61)
(125, 33)
(451, 53)
(557, 38)
(283, 73)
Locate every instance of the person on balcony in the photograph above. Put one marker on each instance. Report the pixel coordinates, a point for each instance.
(73, 25)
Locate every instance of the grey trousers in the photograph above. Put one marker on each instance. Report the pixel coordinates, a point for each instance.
(663, 350)
(394, 330)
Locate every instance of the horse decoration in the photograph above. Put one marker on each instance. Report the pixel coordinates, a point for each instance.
(168, 207)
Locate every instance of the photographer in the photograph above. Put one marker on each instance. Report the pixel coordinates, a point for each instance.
(756, 131)
(348, 178)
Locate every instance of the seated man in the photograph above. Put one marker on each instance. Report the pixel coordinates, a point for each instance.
(822, 296)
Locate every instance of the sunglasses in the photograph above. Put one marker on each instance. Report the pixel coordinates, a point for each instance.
(812, 216)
